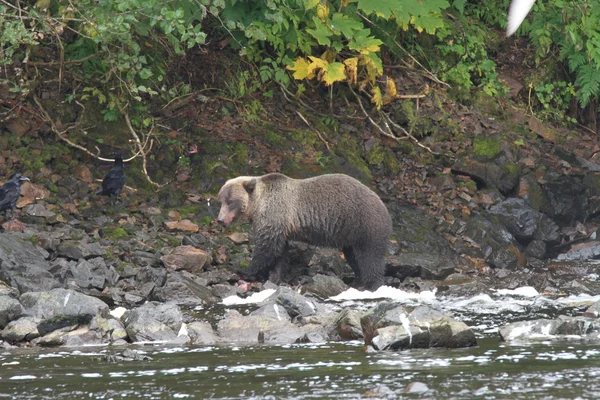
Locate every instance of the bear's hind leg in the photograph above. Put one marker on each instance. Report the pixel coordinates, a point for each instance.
(349, 255)
(370, 267)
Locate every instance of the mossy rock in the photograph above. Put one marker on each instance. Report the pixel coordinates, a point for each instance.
(383, 157)
(487, 148)
(349, 160)
(114, 233)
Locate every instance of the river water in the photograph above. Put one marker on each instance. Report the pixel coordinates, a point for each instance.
(493, 370)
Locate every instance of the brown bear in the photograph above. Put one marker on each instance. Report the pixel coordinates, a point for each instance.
(333, 210)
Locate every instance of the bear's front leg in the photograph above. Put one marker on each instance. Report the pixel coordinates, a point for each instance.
(268, 252)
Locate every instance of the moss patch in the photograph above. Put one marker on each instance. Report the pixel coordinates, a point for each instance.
(114, 233)
(486, 147)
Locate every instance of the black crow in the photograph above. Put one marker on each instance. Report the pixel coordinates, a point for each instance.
(113, 181)
(10, 193)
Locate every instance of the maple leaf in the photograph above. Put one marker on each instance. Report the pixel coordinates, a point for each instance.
(334, 72)
(321, 32)
(345, 24)
(364, 43)
(381, 8)
(300, 68)
(373, 64)
(316, 64)
(352, 70)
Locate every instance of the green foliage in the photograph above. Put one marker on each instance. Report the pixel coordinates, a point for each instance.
(554, 100)
(119, 48)
(326, 41)
(463, 57)
(574, 28)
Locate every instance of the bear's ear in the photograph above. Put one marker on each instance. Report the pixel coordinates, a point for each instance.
(250, 185)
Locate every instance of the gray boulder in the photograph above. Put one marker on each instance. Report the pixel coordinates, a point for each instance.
(325, 286)
(525, 223)
(23, 266)
(77, 249)
(422, 251)
(88, 274)
(391, 327)
(153, 322)
(201, 333)
(294, 303)
(563, 328)
(22, 329)
(10, 309)
(62, 302)
(269, 324)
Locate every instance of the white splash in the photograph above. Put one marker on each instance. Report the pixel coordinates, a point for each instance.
(255, 298)
(525, 291)
(385, 292)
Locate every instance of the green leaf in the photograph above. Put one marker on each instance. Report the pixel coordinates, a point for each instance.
(345, 24)
(321, 32)
(382, 8)
(364, 43)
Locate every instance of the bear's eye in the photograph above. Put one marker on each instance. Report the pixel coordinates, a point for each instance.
(234, 204)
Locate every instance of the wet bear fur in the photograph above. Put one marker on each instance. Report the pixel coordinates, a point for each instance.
(333, 210)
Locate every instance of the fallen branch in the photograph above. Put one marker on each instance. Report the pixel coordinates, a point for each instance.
(141, 148)
(387, 121)
(61, 133)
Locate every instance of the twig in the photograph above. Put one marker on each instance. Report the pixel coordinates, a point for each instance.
(313, 128)
(411, 137)
(387, 121)
(60, 133)
(141, 149)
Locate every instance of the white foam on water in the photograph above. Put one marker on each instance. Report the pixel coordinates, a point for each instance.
(525, 291)
(255, 298)
(581, 299)
(22, 377)
(385, 292)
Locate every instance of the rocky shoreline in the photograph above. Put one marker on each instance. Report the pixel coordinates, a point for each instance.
(503, 211)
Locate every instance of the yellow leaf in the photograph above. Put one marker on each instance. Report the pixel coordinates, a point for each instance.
(373, 65)
(377, 98)
(300, 68)
(322, 11)
(334, 72)
(345, 3)
(316, 64)
(352, 70)
(390, 91)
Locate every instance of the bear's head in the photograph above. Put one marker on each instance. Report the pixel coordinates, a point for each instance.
(235, 199)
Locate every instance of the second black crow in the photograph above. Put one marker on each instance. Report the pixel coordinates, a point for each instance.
(113, 181)
(10, 193)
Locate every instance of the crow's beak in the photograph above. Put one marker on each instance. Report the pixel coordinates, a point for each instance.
(23, 178)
